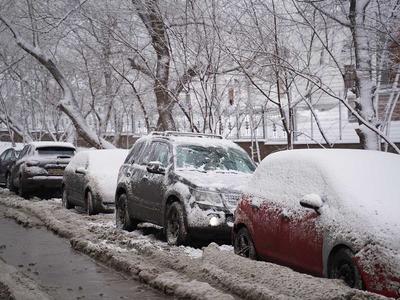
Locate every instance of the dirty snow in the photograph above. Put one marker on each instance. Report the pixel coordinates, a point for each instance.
(180, 271)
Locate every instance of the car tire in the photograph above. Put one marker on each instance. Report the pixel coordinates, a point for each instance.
(244, 245)
(64, 200)
(176, 232)
(122, 219)
(342, 266)
(22, 189)
(9, 183)
(90, 204)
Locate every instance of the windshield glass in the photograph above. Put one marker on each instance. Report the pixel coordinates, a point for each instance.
(58, 151)
(213, 158)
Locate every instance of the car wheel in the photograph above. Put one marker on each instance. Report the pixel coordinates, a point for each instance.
(9, 184)
(243, 244)
(342, 266)
(64, 200)
(175, 228)
(22, 190)
(122, 219)
(90, 205)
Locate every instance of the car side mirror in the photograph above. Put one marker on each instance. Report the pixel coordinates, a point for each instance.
(155, 167)
(312, 201)
(80, 170)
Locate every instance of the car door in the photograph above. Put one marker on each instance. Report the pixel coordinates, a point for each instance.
(153, 194)
(301, 238)
(16, 169)
(3, 165)
(305, 242)
(77, 178)
(133, 171)
(266, 222)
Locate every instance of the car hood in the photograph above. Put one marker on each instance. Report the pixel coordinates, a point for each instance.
(215, 180)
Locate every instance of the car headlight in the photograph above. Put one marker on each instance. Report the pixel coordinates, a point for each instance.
(208, 198)
(231, 200)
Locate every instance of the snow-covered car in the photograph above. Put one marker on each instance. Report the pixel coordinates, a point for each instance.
(187, 183)
(7, 159)
(331, 213)
(40, 168)
(90, 180)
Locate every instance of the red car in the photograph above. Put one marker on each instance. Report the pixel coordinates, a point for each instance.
(330, 213)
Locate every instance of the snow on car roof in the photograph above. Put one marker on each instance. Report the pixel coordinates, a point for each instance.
(204, 141)
(51, 144)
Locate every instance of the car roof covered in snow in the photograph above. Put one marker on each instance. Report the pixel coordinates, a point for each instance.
(51, 144)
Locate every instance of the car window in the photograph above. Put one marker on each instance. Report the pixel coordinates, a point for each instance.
(135, 152)
(288, 182)
(159, 151)
(8, 155)
(80, 161)
(3, 155)
(56, 151)
(23, 152)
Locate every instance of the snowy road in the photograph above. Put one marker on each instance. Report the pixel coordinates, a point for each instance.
(213, 272)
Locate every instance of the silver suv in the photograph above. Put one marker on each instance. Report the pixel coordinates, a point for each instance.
(187, 183)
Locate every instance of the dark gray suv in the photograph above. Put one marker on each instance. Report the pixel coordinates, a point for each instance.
(187, 183)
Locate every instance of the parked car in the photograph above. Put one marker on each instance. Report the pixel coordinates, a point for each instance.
(187, 183)
(331, 213)
(90, 180)
(40, 168)
(7, 158)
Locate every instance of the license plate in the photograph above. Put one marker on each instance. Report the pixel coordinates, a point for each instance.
(55, 172)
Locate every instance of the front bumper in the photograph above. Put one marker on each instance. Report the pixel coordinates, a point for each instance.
(210, 223)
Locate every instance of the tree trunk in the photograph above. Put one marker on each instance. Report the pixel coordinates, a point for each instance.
(149, 14)
(368, 139)
(68, 103)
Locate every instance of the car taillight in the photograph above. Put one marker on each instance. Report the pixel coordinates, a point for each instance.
(32, 163)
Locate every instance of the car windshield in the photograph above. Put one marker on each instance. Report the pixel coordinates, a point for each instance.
(213, 158)
(58, 151)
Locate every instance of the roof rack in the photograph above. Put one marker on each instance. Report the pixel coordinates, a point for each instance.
(189, 134)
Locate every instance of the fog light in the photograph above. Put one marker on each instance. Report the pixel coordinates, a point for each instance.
(214, 221)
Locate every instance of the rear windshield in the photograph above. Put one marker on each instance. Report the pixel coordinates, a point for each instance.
(59, 151)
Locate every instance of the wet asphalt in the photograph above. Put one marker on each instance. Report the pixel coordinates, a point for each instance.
(62, 272)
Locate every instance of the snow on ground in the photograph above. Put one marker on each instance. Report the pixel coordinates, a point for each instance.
(213, 272)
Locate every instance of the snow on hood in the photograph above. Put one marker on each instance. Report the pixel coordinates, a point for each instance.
(103, 170)
(216, 180)
(361, 188)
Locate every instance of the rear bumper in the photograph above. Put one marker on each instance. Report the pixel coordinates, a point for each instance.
(43, 183)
